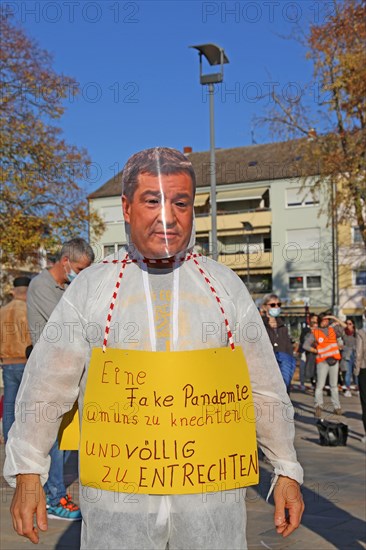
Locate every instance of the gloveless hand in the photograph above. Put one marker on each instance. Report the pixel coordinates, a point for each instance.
(28, 501)
(289, 505)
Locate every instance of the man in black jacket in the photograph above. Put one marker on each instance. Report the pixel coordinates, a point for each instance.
(307, 358)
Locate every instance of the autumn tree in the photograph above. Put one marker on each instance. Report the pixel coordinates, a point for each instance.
(335, 131)
(42, 203)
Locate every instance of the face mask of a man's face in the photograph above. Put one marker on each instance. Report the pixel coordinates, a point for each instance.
(160, 214)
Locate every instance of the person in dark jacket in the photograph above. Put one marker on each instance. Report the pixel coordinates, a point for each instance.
(307, 358)
(349, 356)
(279, 337)
(360, 371)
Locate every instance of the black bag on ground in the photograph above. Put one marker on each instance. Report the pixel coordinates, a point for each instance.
(332, 434)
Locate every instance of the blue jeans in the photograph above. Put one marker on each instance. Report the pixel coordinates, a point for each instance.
(287, 364)
(302, 370)
(350, 363)
(12, 377)
(55, 487)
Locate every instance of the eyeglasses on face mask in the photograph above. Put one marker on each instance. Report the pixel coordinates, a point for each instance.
(279, 304)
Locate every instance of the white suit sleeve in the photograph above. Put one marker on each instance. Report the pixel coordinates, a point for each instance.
(49, 388)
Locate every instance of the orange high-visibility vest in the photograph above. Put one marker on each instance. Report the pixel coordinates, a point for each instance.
(327, 346)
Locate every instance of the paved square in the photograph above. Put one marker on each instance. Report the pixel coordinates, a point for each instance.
(334, 493)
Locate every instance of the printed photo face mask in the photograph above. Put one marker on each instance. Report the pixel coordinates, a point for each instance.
(158, 203)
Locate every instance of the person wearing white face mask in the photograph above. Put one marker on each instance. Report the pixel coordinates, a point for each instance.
(71, 275)
(48, 287)
(44, 293)
(279, 337)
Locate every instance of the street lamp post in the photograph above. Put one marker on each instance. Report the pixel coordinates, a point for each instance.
(215, 56)
(335, 268)
(247, 227)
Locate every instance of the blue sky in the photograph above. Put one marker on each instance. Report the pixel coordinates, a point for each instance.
(140, 80)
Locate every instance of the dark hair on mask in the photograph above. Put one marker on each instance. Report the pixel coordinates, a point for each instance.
(155, 161)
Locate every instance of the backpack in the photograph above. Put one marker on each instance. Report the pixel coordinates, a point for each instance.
(332, 434)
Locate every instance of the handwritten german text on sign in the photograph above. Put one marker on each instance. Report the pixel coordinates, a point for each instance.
(168, 422)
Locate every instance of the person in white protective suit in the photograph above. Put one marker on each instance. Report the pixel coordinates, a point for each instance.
(159, 295)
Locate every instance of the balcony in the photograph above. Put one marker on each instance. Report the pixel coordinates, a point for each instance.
(231, 223)
(259, 262)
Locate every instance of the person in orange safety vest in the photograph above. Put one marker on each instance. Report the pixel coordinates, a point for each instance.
(323, 342)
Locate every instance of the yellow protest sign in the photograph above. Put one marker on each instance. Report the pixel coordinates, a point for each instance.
(69, 432)
(168, 422)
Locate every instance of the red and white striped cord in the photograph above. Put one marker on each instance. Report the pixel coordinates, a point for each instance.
(113, 301)
(163, 261)
(228, 330)
(127, 260)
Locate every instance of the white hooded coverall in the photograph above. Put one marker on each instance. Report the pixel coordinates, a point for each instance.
(186, 316)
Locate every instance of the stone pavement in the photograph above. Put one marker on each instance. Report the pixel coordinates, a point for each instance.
(334, 493)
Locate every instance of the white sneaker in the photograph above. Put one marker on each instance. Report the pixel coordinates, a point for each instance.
(347, 393)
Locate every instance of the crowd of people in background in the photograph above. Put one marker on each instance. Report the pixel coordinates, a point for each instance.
(330, 355)
(339, 370)
(21, 324)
